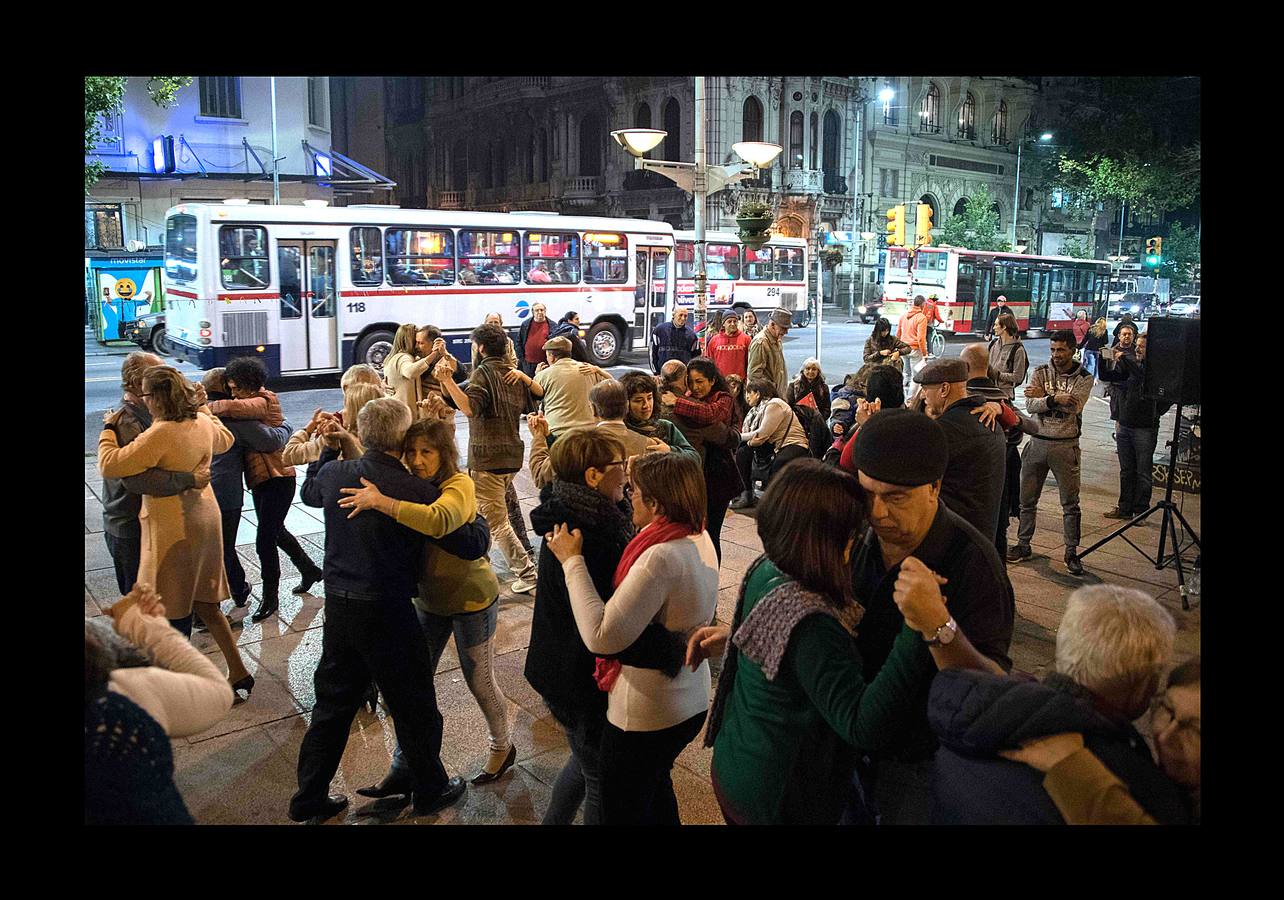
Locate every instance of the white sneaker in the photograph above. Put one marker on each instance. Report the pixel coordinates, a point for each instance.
(522, 587)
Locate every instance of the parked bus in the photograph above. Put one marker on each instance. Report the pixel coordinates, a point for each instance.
(1043, 292)
(762, 280)
(316, 289)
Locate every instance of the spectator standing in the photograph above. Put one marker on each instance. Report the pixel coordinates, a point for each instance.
(132, 713)
(912, 329)
(510, 352)
(227, 471)
(371, 572)
(456, 596)
(1125, 345)
(494, 408)
(1056, 396)
(669, 574)
(736, 385)
(587, 494)
(1080, 326)
(123, 497)
(531, 338)
(771, 437)
(1138, 430)
(673, 340)
(1125, 321)
(1093, 341)
(767, 356)
(182, 535)
(270, 480)
(1112, 645)
(1001, 308)
(976, 469)
(708, 408)
(564, 384)
(569, 327)
(883, 348)
(729, 348)
(809, 382)
(1007, 355)
(901, 457)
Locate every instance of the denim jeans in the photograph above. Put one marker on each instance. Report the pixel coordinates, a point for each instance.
(1136, 447)
(580, 780)
(272, 501)
(126, 552)
(473, 640)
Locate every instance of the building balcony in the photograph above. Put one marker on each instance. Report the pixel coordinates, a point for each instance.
(581, 190)
(450, 199)
(803, 181)
(835, 184)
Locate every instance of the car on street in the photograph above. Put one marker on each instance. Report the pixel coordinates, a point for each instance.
(1187, 307)
(869, 311)
(1140, 305)
(148, 332)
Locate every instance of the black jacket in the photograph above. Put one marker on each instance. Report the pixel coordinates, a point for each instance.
(571, 332)
(558, 665)
(668, 341)
(975, 714)
(371, 553)
(974, 475)
(1128, 376)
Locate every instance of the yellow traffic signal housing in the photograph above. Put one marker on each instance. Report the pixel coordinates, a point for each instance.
(923, 226)
(1159, 247)
(896, 226)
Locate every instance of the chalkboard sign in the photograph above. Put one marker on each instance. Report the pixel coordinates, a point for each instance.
(1185, 480)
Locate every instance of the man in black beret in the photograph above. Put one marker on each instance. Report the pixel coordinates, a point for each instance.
(901, 457)
(973, 482)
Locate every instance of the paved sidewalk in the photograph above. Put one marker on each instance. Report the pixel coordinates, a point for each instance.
(242, 771)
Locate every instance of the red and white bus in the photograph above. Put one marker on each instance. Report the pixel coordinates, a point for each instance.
(1043, 292)
(769, 278)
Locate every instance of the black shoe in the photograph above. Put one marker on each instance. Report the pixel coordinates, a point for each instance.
(1073, 566)
(393, 783)
(1117, 513)
(744, 501)
(372, 699)
(239, 602)
(454, 789)
(1016, 553)
(485, 777)
(331, 806)
(245, 684)
(267, 607)
(310, 577)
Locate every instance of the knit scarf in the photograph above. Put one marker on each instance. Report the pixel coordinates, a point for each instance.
(660, 531)
(593, 509)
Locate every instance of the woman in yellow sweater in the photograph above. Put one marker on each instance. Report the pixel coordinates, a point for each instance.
(455, 595)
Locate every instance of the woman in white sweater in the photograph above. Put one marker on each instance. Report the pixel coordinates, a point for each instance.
(669, 575)
(771, 437)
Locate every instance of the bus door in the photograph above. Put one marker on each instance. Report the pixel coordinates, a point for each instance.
(981, 309)
(309, 329)
(650, 293)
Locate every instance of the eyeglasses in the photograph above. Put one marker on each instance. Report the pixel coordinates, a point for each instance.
(145, 395)
(1165, 713)
(616, 462)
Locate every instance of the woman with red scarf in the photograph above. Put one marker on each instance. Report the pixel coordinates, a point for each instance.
(669, 575)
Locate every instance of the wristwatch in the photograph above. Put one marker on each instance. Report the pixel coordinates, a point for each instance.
(944, 634)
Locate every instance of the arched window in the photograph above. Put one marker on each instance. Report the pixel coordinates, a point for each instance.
(929, 111)
(967, 118)
(796, 140)
(999, 127)
(673, 125)
(591, 145)
(961, 207)
(752, 130)
(815, 139)
(829, 154)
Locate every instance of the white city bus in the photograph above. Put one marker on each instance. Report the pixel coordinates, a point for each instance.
(762, 280)
(314, 289)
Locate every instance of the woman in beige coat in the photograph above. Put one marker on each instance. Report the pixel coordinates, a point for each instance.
(404, 371)
(182, 552)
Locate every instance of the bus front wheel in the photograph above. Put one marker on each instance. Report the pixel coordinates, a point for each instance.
(374, 348)
(604, 344)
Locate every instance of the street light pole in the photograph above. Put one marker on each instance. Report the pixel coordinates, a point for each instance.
(700, 194)
(276, 180)
(1016, 193)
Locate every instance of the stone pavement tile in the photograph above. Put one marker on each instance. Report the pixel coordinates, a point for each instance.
(311, 513)
(696, 758)
(93, 477)
(546, 766)
(93, 515)
(89, 493)
(248, 515)
(101, 583)
(696, 802)
(270, 701)
(291, 661)
(246, 530)
(91, 608)
(96, 555)
(1039, 617)
(244, 778)
(1133, 566)
(735, 562)
(727, 597)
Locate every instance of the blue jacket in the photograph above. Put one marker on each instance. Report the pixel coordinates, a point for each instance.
(371, 553)
(976, 714)
(671, 342)
(227, 469)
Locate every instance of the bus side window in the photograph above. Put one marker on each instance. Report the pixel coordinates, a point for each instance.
(758, 264)
(606, 258)
(243, 257)
(367, 256)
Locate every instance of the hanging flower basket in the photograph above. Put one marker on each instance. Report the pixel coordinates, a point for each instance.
(755, 220)
(831, 258)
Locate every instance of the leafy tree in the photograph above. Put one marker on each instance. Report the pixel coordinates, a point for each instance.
(1181, 255)
(105, 95)
(1076, 247)
(977, 227)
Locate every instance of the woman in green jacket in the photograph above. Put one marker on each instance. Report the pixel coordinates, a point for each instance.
(456, 596)
(792, 705)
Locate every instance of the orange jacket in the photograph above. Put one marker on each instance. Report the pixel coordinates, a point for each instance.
(913, 329)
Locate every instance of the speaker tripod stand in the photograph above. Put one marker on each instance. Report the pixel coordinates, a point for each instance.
(1168, 525)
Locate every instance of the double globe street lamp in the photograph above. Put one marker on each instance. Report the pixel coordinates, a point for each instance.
(697, 178)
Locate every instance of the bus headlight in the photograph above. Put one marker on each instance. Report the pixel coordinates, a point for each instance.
(206, 341)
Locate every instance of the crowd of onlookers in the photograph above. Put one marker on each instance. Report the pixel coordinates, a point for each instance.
(866, 674)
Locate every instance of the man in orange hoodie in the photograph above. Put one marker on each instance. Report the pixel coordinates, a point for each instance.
(913, 331)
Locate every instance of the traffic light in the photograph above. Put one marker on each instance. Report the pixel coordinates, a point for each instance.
(923, 226)
(1154, 251)
(896, 226)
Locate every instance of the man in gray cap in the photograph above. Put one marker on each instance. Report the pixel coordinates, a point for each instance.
(974, 475)
(564, 384)
(766, 356)
(901, 457)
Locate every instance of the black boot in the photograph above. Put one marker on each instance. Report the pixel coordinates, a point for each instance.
(311, 575)
(268, 605)
(744, 501)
